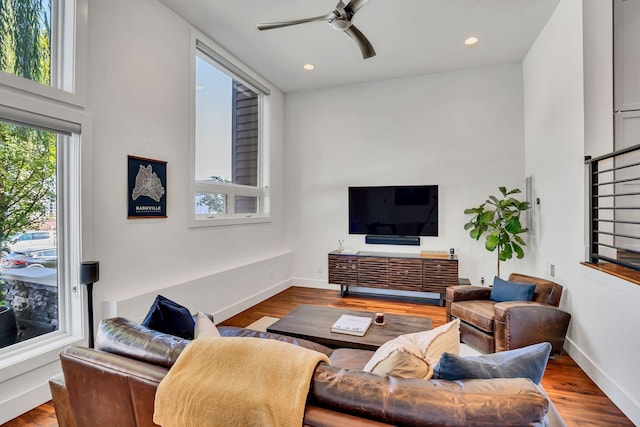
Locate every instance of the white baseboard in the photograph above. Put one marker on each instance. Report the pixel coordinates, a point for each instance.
(626, 403)
(24, 402)
(250, 301)
(313, 283)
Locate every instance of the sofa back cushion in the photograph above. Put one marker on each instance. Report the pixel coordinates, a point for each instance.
(468, 403)
(121, 336)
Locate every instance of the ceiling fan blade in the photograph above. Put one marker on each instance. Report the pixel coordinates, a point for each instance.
(354, 5)
(272, 25)
(365, 46)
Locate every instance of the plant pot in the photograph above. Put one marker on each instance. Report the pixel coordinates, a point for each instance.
(8, 327)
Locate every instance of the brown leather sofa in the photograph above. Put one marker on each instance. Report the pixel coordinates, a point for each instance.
(115, 384)
(493, 326)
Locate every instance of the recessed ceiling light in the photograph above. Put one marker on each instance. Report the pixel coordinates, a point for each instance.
(308, 67)
(471, 41)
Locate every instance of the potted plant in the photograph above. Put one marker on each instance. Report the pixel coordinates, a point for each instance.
(8, 326)
(499, 219)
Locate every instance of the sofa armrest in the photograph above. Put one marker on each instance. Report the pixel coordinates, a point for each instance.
(464, 293)
(522, 323)
(108, 390)
(60, 397)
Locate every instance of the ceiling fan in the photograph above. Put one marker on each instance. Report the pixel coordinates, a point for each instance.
(340, 20)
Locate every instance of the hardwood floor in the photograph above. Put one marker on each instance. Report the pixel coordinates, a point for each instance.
(579, 401)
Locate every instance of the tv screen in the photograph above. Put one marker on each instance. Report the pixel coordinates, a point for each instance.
(394, 210)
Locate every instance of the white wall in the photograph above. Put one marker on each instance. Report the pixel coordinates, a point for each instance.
(138, 96)
(462, 130)
(566, 81)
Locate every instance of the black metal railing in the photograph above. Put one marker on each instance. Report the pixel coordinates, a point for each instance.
(614, 207)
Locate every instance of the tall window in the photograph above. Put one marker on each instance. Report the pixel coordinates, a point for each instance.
(28, 232)
(39, 179)
(229, 179)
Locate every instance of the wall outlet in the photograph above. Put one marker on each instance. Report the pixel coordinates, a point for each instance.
(552, 270)
(319, 269)
(482, 281)
(271, 276)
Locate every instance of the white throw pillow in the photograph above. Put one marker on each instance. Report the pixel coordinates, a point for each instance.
(204, 327)
(415, 355)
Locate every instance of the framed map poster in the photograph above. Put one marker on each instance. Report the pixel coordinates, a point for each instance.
(147, 185)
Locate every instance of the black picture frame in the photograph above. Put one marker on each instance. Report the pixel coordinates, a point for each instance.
(147, 188)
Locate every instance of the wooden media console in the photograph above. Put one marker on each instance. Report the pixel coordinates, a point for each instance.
(426, 272)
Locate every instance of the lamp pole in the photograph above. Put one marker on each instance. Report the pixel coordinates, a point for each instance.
(89, 274)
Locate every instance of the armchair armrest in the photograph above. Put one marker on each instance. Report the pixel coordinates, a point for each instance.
(521, 323)
(464, 293)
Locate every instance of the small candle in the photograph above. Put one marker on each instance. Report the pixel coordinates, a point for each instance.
(379, 318)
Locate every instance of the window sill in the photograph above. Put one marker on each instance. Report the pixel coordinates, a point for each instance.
(618, 271)
(214, 222)
(35, 355)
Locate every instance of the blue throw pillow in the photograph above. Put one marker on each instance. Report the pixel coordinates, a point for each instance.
(503, 290)
(169, 317)
(527, 362)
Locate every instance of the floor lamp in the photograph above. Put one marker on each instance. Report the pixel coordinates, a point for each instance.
(90, 274)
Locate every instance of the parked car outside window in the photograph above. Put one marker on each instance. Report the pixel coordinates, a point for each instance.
(28, 258)
(32, 240)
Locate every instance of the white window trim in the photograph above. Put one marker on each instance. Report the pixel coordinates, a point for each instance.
(23, 357)
(71, 84)
(201, 186)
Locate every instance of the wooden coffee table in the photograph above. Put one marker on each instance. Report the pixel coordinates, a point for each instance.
(313, 323)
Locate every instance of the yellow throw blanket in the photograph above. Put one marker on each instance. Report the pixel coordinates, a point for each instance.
(236, 381)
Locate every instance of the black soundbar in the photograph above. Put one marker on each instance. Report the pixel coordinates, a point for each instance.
(393, 240)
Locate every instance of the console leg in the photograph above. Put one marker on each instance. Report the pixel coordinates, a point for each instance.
(344, 290)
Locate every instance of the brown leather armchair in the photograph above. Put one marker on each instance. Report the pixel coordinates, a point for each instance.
(492, 326)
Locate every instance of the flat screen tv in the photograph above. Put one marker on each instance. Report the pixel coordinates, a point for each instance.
(407, 210)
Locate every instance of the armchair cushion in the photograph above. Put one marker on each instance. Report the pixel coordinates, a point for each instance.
(504, 290)
(527, 362)
(478, 313)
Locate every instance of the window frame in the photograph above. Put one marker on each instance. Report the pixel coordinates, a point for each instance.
(68, 80)
(24, 356)
(226, 63)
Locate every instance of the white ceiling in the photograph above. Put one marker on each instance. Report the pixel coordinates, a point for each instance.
(411, 37)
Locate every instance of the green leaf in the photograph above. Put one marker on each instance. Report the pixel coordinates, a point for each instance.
(475, 234)
(486, 217)
(474, 211)
(503, 190)
(518, 250)
(507, 251)
(513, 225)
(514, 191)
(519, 240)
(492, 242)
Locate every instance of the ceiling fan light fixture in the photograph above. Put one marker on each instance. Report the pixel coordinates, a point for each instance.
(340, 24)
(471, 41)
